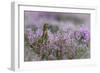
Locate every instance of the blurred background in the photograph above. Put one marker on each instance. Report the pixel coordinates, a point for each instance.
(61, 28)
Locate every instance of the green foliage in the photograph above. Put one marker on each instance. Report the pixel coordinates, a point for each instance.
(80, 52)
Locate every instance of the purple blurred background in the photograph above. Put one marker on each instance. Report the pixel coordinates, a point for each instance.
(71, 28)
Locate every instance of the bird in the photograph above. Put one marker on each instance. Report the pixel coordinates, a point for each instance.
(41, 41)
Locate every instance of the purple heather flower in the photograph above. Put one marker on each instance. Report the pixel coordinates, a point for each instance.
(82, 35)
(38, 33)
(85, 33)
(30, 37)
(51, 36)
(77, 35)
(53, 46)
